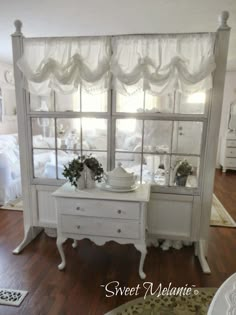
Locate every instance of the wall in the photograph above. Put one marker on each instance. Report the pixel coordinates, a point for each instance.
(9, 123)
(229, 96)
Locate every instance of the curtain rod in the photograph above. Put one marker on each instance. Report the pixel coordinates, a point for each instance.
(121, 35)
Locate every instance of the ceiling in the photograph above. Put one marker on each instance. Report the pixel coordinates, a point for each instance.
(105, 17)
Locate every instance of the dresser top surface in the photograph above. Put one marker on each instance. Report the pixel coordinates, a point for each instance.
(141, 194)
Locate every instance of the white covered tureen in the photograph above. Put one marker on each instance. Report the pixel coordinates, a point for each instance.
(119, 178)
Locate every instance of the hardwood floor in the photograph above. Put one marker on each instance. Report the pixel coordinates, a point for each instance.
(78, 289)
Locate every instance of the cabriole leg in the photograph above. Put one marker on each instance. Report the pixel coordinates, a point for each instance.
(143, 251)
(60, 241)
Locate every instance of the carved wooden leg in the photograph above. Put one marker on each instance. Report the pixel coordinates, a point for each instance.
(75, 243)
(202, 258)
(143, 251)
(60, 241)
(224, 170)
(30, 234)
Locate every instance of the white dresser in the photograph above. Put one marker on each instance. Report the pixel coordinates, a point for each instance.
(228, 151)
(102, 216)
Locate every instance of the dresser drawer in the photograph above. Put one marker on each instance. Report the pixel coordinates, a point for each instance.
(231, 143)
(230, 152)
(230, 162)
(99, 208)
(74, 224)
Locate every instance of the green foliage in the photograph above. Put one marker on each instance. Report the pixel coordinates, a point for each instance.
(184, 168)
(74, 168)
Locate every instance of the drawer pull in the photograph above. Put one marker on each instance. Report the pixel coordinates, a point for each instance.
(78, 227)
(119, 211)
(78, 208)
(119, 231)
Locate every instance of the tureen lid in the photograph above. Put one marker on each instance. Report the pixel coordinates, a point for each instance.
(119, 171)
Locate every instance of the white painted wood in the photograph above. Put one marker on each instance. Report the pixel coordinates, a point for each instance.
(142, 193)
(23, 138)
(170, 216)
(221, 50)
(102, 227)
(99, 208)
(95, 226)
(228, 151)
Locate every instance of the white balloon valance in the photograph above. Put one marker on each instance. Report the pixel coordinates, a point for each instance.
(163, 63)
(63, 64)
(157, 63)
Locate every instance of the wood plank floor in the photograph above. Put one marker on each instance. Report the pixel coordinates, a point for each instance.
(78, 289)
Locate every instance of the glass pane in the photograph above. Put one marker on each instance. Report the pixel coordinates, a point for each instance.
(187, 137)
(43, 132)
(94, 102)
(67, 102)
(44, 163)
(130, 103)
(184, 171)
(157, 136)
(130, 161)
(41, 103)
(159, 104)
(63, 158)
(68, 133)
(190, 103)
(94, 134)
(156, 169)
(100, 156)
(129, 135)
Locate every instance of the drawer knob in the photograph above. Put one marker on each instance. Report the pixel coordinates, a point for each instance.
(78, 227)
(119, 211)
(119, 231)
(78, 208)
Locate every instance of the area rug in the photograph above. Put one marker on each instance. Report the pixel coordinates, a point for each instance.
(16, 204)
(196, 304)
(219, 215)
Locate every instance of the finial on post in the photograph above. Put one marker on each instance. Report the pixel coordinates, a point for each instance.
(223, 20)
(18, 26)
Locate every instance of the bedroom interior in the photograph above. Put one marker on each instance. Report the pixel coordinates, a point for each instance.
(131, 101)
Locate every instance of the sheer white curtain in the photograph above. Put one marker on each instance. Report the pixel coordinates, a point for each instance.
(62, 64)
(157, 63)
(162, 63)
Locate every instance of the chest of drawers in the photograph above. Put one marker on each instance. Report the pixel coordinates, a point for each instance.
(102, 216)
(228, 152)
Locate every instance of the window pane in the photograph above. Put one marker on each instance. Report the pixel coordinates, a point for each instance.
(190, 103)
(43, 131)
(184, 176)
(157, 136)
(94, 131)
(130, 103)
(187, 137)
(94, 102)
(159, 104)
(63, 158)
(130, 161)
(68, 133)
(129, 135)
(156, 169)
(67, 102)
(41, 103)
(44, 163)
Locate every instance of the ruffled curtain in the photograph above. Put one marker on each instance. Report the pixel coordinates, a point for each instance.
(163, 63)
(155, 63)
(62, 64)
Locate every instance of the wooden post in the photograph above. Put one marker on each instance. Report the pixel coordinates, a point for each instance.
(23, 136)
(221, 51)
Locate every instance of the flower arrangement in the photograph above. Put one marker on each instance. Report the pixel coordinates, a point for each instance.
(76, 168)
